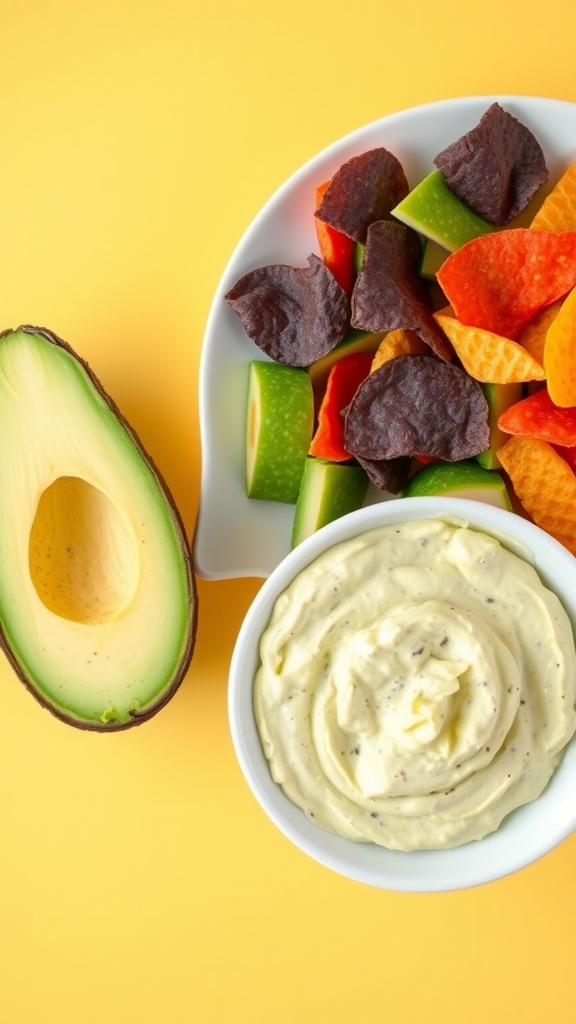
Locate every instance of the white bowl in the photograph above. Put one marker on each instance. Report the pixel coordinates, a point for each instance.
(234, 535)
(526, 835)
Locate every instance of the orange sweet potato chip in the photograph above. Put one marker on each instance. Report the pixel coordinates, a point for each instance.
(545, 485)
(560, 354)
(558, 211)
(499, 281)
(399, 342)
(488, 357)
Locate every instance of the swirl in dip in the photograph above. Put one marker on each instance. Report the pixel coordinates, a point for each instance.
(417, 683)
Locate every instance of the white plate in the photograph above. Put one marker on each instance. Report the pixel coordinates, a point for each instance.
(236, 536)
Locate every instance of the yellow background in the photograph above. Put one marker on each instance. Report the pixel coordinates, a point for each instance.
(140, 883)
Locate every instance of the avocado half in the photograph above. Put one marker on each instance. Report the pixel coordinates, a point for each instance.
(98, 603)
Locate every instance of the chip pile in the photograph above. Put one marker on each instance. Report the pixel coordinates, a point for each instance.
(504, 313)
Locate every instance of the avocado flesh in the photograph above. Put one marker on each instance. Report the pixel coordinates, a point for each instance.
(278, 430)
(499, 397)
(328, 491)
(465, 479)
(434, 210)
(97, 596)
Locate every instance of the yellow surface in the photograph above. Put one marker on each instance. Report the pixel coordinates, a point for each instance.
(139, 881)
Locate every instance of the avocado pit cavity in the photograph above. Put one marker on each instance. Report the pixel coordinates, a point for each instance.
(84, 560)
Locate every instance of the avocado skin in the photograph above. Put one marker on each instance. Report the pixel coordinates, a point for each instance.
(137, 717)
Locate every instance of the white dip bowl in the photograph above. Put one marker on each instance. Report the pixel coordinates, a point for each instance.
(524, 836)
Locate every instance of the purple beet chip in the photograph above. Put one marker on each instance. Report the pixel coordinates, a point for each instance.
(364, 189)
(496, 167)
(388, 292)
(389, 475)
(294, 314)
(417, 405)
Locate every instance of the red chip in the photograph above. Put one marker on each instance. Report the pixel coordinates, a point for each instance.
(499, 281)
(536, 415)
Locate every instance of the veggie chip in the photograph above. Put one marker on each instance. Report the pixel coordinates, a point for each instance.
(500, 281)
(294, 314)
(389, 475)
(417, 405)
(545, 485)
(388, 293)
(364, 189)
(496, 167)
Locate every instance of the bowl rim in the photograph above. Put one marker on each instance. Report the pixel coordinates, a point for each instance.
(546, 822)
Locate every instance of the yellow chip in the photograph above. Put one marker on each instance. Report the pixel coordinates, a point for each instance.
(400, 342)
(488, 357)
(533, 335)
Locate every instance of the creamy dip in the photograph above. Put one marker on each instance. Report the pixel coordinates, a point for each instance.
(417, 683)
